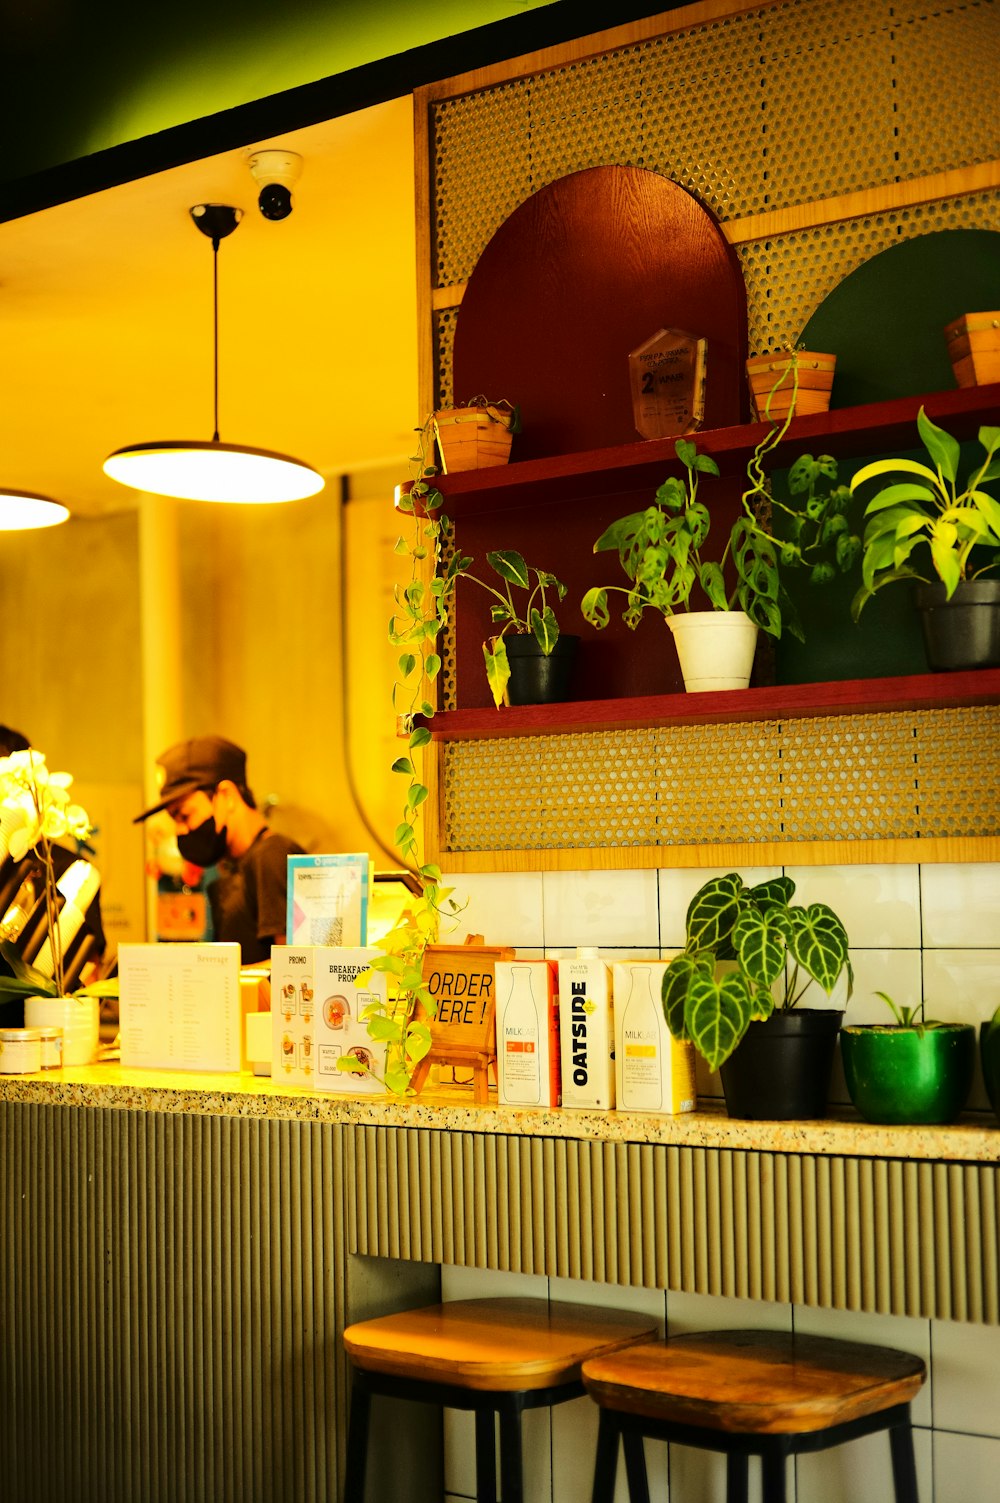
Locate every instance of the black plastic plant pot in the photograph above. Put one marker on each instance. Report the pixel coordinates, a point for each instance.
(989, 1054)
(780, 1071)
(908, 1074)
(538, 678)
(963, 632)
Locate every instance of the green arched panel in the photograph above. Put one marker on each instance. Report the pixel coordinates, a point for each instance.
(885, 323)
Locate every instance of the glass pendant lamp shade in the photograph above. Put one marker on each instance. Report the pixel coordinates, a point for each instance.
(196, 470)
(212, 471)
(20, 511)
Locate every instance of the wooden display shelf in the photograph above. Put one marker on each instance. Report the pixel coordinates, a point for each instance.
(875, 428)
(923, 691)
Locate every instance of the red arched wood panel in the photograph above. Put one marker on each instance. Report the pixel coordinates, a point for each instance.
(582, 273)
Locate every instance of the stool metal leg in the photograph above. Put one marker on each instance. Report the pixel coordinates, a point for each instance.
(511, 1470)
(774, 1465)
(737, 1477)
(635, 1467)
(486, 1457)
(904, 1466)
(606, 1462)
(357, 1443)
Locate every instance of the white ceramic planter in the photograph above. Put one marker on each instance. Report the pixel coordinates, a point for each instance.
(78, 1017)
(715, 648)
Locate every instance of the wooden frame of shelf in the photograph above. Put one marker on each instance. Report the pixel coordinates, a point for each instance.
(875, 428)
(860, 696)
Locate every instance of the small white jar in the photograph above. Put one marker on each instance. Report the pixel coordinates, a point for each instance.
(52, 1047)
(20, 1051)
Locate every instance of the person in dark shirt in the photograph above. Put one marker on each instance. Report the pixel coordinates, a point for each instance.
(218, 824)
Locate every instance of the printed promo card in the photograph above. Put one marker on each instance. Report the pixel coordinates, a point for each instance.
(328, 899)
(319, 994)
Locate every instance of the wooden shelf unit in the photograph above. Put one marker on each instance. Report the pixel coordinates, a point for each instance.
(863, 696)
(872, 429)
(556, 482)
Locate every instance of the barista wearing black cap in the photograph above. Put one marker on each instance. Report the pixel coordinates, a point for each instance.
(218, 824)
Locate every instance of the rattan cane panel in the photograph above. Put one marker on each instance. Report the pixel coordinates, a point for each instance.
(618, 807)
(851, 777)
(775, 107)
(958, 771)
(947, 64)
(788, 277)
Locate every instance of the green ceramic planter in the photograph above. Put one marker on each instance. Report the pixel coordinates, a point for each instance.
(989, 1053)
(904, 1075)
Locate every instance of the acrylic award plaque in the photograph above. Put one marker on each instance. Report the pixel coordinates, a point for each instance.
(667, 375)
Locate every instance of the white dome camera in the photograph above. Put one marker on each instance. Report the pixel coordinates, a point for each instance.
(275, 171)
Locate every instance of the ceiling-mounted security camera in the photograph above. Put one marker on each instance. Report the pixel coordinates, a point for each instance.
(276, 171)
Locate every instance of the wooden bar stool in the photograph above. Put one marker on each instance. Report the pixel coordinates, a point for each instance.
(496, 1357)
(751, 1393)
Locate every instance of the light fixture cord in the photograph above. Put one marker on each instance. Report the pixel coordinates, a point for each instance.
(215, 317)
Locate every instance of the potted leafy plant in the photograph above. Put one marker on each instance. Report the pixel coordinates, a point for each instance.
(475, 436)
(959, 526)
(775, 1056)
(528, 660)
(661, 551)
(989, 1055)
(910, 1070)
(532, 664)
(37, 811)
(661, 548)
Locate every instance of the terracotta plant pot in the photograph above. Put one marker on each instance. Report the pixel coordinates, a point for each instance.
(472, 438)
(974, 348)
(770, 376)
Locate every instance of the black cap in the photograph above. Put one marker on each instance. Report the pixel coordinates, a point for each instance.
(202, 762)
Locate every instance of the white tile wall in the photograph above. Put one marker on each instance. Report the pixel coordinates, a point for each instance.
(960, 905)
(679, 885)
(601, 908)
(888, 911)
(502, 910)
(879, 906)
(966, 1468)
(966, 1378)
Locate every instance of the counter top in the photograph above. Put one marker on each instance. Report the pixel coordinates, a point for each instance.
(975, 1138)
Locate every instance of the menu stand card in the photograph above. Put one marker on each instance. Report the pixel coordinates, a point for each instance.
(180, 1007)
(328, 899)
(319, 997)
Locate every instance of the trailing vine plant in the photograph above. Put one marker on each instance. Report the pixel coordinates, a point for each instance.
(420, 616)
(814, 532)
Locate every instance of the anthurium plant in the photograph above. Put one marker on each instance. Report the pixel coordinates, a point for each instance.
(778, 947)
(929, 508)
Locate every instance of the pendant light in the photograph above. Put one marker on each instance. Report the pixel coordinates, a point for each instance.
(199, 470)
(21, 511)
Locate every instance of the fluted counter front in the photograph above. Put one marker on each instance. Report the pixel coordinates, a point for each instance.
(179, 1256)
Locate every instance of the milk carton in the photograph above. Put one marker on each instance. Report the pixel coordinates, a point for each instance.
(527, 1033)
(654, 1072)
(586, 1032)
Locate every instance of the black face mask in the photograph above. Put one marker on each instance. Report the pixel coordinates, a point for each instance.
(203, 846)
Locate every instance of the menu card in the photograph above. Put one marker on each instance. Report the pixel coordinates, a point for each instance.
(179, 1006)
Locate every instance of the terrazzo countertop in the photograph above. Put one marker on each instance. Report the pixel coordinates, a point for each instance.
(976, 1138)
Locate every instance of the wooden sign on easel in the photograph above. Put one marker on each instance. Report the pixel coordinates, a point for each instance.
(461, 979)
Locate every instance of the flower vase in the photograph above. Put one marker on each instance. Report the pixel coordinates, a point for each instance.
(78, 1017)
